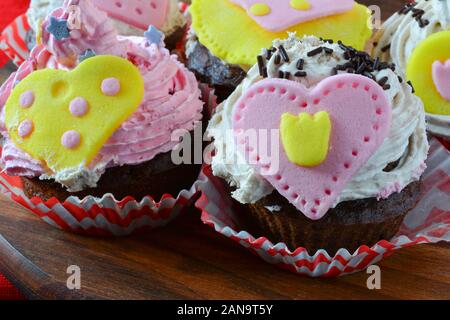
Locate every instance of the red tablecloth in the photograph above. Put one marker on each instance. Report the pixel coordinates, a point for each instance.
(10, 9)
(7, 291)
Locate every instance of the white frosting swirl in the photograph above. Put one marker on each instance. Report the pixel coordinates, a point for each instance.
(407, 141)
(402, 33)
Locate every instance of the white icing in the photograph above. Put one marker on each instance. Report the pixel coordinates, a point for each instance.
(403, 33)
(39, 9)
(407, 140)
(439, 125)
(78, 179)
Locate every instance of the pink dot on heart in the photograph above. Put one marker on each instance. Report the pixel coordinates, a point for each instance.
(25, 128)
(71, 139)
(27, 99)
(110, 87)
(78, 107)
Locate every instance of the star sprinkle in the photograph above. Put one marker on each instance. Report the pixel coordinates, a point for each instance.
(58, 28)
(89, 53)
(154, 36)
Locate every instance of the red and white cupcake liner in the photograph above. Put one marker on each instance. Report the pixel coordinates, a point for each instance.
(107, 216)
(102, 217)
(429, 222)
(445, 142)
(12, 40)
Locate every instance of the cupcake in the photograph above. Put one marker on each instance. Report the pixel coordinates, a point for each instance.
(130, 17)
(93, 113)
(416, 39)
(227, 35)
(322, 150)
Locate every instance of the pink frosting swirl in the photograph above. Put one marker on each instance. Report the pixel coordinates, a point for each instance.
(171, 101)
(93, 30)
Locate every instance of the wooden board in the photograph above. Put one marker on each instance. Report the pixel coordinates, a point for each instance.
(187, 260)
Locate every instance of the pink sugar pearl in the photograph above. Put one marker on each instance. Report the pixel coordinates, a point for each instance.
(27, 99)
(25, 128)
(78, 107)
(71, 139)
(110, 87)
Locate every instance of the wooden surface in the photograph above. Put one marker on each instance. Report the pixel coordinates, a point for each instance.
(187, 260)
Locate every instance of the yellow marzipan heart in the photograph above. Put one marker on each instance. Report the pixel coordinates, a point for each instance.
(38, 113)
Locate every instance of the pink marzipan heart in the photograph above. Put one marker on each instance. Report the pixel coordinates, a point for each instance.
(138, 13)
(441, 78)
(283, 16)
(360, 114)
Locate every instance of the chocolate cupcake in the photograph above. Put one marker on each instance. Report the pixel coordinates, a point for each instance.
(94, 113)
(130, 17)
(416, 39)
(227, 35)
(324, 150)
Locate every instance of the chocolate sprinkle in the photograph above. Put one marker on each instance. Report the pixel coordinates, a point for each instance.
(277, 59)
(357, 62)
(284, 54)
(386, 48)
(383, 81)
(416, 13)
(412, 87)
(261, 64)
(328, 50)
(301, 74)
(361, 63)
(315, 52)
(300, 64)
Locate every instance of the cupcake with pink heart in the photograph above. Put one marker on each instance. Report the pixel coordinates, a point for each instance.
(130, 17)
(324, 149)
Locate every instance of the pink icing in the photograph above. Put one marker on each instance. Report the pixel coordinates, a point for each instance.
(27, 99)
(283, 16)
(110, 87)
(25, 128)
(171, 100)
(138, 13)
(71, 139)
(386, 192)
(441, 78)
(18, 163)
(360, 114)
(78, 107)
(97, 33)
(397, 187)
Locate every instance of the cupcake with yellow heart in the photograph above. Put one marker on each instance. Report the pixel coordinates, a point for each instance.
(417, 40)
(325, 150)
(92, 113)
(227, 35)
